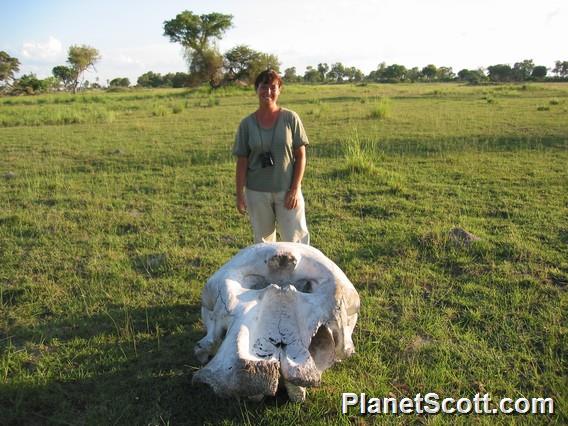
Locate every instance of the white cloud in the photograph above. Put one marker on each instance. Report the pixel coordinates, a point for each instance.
(42, 50)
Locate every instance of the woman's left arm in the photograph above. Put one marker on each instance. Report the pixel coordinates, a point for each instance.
(292, 196)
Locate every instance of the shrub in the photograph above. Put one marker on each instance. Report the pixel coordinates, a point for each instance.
(212, 101)
(357, 158)
(380, 109)
(159, 111)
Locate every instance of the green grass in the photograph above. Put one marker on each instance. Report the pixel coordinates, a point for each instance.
(380, 109)
(109, 228)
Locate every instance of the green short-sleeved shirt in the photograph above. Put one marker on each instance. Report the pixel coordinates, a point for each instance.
(289, 135)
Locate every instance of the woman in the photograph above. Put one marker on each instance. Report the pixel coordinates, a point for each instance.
(270, 146)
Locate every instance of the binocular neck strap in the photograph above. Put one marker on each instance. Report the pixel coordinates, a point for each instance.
(260, 133)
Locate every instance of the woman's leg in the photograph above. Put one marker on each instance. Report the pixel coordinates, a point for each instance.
(260, 209)
(291, 223)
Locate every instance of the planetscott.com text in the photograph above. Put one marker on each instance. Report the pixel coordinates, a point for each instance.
(432, 403)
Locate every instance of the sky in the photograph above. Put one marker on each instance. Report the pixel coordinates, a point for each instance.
(361, 33)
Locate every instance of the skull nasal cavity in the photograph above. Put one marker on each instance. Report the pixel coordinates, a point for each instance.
(282, 261)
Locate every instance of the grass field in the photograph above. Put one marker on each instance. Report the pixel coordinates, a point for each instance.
(115, 208)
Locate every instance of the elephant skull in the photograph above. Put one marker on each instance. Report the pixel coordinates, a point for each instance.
(276, 312)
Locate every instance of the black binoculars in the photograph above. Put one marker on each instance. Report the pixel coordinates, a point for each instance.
(266, 159)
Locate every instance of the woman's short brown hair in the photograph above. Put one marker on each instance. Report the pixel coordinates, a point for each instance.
(268, 77)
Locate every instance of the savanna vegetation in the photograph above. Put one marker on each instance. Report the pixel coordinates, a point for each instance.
(241, 64)
(116, 207)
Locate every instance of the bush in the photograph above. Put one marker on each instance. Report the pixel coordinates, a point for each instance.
(357, 158)
(380, 109)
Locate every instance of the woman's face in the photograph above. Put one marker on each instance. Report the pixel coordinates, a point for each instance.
(268, 93)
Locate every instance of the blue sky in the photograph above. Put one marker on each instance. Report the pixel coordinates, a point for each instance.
(361, 33)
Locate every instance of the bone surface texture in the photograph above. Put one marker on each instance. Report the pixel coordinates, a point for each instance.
(276, 314)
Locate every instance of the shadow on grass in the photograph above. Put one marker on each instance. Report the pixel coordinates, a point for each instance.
(124, 366)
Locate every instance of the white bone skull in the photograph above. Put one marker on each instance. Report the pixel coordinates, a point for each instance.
(275, 312)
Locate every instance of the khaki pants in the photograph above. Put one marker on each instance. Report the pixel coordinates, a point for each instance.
(267, 214)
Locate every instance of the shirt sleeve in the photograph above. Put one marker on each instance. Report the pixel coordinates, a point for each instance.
(300, 138)
(241, 146)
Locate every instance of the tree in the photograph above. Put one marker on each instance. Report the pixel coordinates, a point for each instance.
(150, 79)
(29, 84)
(445, 74)
(523, 70)
(539, 72)
(413, 74)
(312, 75)
(354, 74)
(180, 79)
(195, 33)
(395, 72)
(206, 66)
(472, 76)
(429, 72)
(336, 72)
(64, 75)
(8, 67)
(238, 61)
(119, 82)
(561, 68)
(263, 62)
(290, 75)
(500, 72)
(323, 69)
(81, 58)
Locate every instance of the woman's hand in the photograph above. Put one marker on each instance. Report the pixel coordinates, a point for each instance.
(241, 203)
(291, 199)
(241, 178)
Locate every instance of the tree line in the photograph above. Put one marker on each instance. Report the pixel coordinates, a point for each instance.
(197, 35)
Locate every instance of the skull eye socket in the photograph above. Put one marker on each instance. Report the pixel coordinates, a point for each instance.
(255, 282)
(304, 286)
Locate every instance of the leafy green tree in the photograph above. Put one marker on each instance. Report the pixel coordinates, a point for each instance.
(378, 74)
(539, 72)
(238, 61)
(29, 84)
(150, 79)
(430, 72)
(336, 72)
(263, 62)
(206, 66)
(8, 67)
(500, 72)
(323, 69)
(312, 75)
(354, 74)
(195, 33)
(81, 58)
(64, 75)
(523, 70)
(180, 79)
(413, 74)
(561, 68)
(395, 72)
(290, 75)
(445, 74)
(119, 82)
(472, 76)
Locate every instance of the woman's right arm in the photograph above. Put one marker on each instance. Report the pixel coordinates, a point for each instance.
(241, 177)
